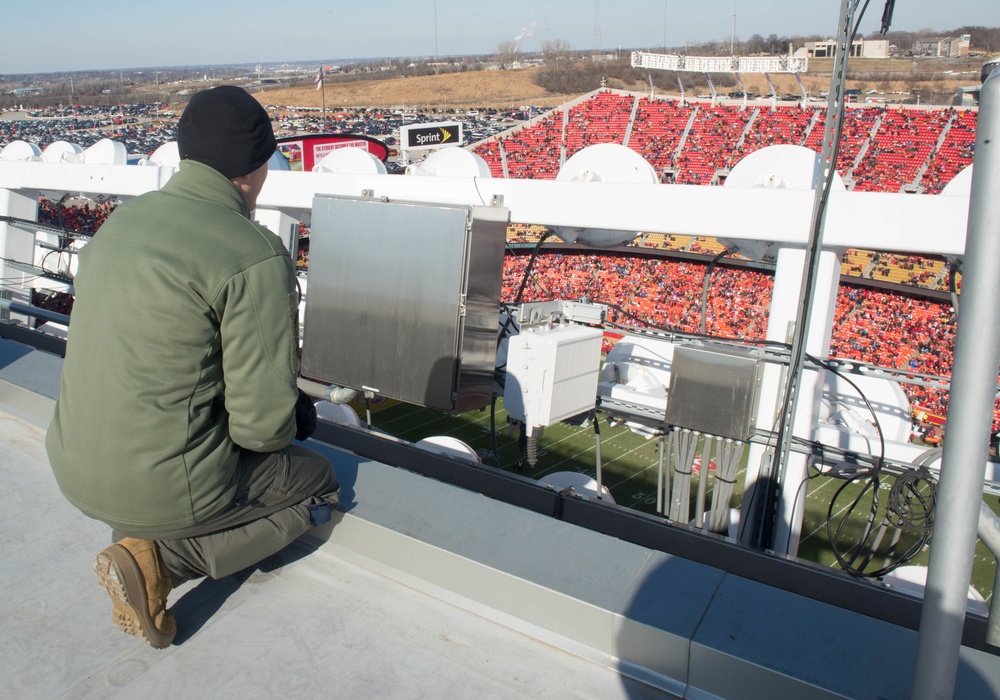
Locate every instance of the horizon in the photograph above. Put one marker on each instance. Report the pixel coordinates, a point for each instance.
(314, 63)
(438, 29)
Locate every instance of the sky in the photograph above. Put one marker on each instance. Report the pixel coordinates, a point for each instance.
(98, 35)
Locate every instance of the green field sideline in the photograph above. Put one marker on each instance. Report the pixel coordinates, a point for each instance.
(629, 470)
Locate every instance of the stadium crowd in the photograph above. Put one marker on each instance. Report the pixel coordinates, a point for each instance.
(888, 329)
(883, 149)
(81, 215)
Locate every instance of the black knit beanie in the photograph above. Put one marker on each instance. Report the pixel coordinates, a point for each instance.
(226, 129)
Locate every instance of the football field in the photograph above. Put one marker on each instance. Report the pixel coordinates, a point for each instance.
(629, 466)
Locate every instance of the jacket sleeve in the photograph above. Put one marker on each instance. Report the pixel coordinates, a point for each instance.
(258, 327)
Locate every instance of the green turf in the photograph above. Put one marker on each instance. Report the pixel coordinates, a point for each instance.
(629, 470)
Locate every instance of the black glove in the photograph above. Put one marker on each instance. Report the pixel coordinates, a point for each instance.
(305, 416)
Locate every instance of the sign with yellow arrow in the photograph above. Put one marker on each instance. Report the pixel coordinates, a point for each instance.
(433, 135)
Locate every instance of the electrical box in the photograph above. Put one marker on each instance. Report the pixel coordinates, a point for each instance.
(715, 390)
(552, 373)
(403, 299)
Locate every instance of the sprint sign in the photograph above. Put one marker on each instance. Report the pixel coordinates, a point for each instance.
(433, 135)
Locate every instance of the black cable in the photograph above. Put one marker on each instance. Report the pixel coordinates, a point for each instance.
(907, 508)
(954, 268)
(834, 536)
(905, 494)
(505, 329)
(493, 432)
(531, 261)
(887, 15)
(873, 481)
(922, 530)
(857, 24)
(871, 409)
(769, 506)
(45, 257)
(706, 283)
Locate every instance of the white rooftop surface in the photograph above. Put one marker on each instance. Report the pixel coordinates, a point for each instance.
(422, 589)
(305, 623)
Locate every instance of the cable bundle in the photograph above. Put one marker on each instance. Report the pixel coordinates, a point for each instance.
(908, 513)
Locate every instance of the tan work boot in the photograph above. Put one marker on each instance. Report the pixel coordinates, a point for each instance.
(133, 574)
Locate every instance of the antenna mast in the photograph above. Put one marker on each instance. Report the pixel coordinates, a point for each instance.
(597, 25)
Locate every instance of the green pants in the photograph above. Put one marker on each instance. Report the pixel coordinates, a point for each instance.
(270, 509)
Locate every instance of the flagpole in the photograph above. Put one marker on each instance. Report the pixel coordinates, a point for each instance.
(322, 86)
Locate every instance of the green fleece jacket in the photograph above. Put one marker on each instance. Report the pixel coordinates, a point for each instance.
(183, 348)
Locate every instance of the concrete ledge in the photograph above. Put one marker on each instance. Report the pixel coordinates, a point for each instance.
(690, 629)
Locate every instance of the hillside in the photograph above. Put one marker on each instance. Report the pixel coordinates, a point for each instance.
(936, 79)
(500, 89)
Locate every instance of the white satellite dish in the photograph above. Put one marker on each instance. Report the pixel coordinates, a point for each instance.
(581, 484)
(961, 184)
(339, 413)
(166, 156)
(62, 152)
(604, 162)
(452, 162)
(106, 152)
(637, 372)
(450, 447)
(912, 580)
(20, 150)
(607, 162)
(842, 404)
(277, 161)
(783, 167)
(350, 161)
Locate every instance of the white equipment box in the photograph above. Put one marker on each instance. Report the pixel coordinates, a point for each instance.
(552, 373)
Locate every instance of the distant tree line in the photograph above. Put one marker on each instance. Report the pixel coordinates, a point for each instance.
(566, 70)
(984, 40)
(585, 75)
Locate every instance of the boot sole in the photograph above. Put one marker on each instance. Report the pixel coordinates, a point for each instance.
(128, 593)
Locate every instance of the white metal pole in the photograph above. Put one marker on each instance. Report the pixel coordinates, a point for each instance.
(970, 413)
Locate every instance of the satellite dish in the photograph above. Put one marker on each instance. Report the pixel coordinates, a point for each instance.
(581, 484)
(106, 152)
(607, 162)
(449, 447)
(604, 162)
(339, 413)
(350, 161)
(912, 580)
(62, 152)
(842, 404)
(278, 161)
(452, 162)
(783, 167)
(637, 372)
(988, 68)
(961, 184)
(20, 150)
(166, 156)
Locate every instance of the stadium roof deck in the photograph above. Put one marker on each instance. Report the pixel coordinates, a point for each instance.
(304, 623)
(424, 589)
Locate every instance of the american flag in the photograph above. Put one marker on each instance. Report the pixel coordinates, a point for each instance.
(319, 77)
